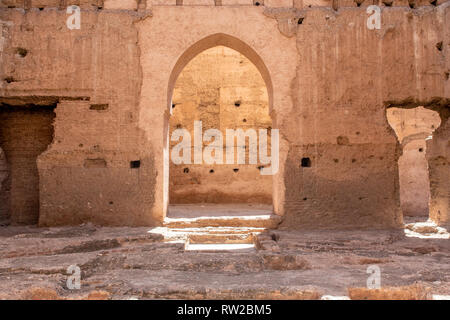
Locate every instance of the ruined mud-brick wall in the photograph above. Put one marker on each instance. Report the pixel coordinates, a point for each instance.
(414, 179)
(438, 155)
(346, 77)
(224, 90)
(93, 75)
(104, 167)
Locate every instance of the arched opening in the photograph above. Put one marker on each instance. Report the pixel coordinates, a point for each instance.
(4, 190)
(413, 128)
(218, 84)
(220, 39)
(25, 132)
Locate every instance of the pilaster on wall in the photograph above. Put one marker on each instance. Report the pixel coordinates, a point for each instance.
(438, 155)
(4, 194)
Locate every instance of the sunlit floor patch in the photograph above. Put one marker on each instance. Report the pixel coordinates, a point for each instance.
(426, 230)
(440, 297)
(218, 246)
(328, 297)
(205, 235)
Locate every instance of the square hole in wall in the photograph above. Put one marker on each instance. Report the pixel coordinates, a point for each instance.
(306, 162)
(99, 106)
(135, 164)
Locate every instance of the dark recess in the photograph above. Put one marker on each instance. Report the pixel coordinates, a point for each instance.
(135, 164)
(306, 162)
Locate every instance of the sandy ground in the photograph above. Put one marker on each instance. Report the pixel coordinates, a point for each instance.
(143, 263)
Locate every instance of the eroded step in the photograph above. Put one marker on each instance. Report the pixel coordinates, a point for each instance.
(230, 231)
(218, 230)
(224, 238)
(257, 221)
(208, 234)
(220, 247)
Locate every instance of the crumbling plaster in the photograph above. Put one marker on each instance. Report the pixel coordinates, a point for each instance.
(329, 87)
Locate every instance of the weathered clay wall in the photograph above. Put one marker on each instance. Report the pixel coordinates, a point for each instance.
(224, 90)
(438, 153)
(331, 78)
(414, 179)
(346, 75)
(94, 73)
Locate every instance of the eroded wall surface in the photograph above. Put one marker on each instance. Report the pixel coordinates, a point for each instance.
(414, 179)
(93, 74)
(221, 88)
(438, 152)
(332, 79)
(354, 73)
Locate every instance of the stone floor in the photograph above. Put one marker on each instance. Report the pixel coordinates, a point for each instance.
(216, 262)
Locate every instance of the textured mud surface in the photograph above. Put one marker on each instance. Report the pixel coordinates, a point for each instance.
(124, 263)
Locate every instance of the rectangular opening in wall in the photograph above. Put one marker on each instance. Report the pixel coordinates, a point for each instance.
(413, 127)
(225, 91)
(135, 164)
(99, 106)
(306, 162)
(25, 132)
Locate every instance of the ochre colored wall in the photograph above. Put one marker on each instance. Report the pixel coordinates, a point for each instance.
(330, 80)
(438, 153)
(414, 179)
(208, 90)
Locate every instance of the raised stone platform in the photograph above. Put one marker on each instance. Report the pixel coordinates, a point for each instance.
(221, 215)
